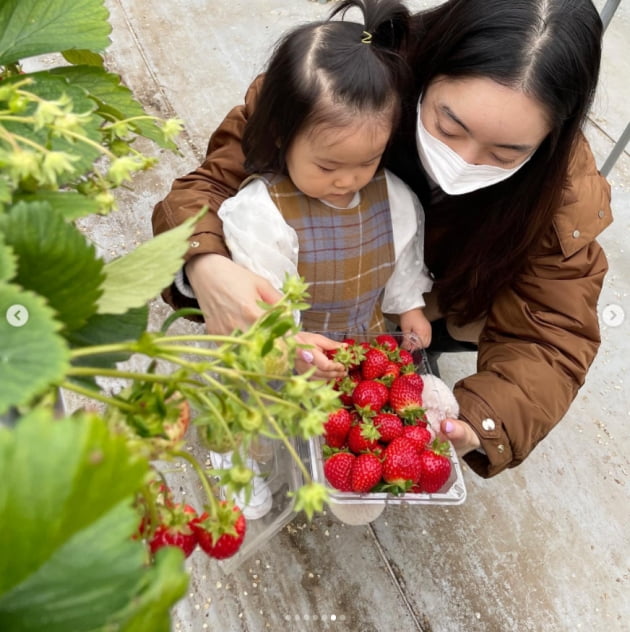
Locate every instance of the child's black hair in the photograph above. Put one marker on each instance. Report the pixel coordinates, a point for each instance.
(327, 73)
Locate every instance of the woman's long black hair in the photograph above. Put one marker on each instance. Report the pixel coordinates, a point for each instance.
(548, 49)
(326, 73)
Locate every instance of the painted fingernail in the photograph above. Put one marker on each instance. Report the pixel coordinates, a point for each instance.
(449, 427)
(307, 356)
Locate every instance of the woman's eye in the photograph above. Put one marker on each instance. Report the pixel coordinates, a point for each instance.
(443, 132)
(502, 161)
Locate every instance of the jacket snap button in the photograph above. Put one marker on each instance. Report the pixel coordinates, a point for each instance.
(194, 244)
(576, 234)
(488, 424)
(500, 448)
(601, 213)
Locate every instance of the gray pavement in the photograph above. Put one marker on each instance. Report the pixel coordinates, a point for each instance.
(544, 547)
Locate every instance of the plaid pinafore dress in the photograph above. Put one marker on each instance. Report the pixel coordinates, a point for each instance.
(346, 255)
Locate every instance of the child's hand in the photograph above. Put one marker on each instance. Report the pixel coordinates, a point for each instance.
(416, 330)
(315, 356)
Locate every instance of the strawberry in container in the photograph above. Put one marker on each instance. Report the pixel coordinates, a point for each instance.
(381, 445)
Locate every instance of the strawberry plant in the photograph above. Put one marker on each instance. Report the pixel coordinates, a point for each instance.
(89, 536)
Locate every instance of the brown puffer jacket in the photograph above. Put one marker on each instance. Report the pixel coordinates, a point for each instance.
(541, 335)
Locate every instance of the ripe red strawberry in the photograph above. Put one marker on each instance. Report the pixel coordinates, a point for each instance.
(405, 396)
(366, 473)
(221, 536)
(176, 530)
(415, 380)
(401, 463)
(388, 425)
(419, 434)
(363, 437)
(406, 358)
(338, 470)
(336, 427)
(392, 370)
(387, 341)
(370, 395)
(436, 467)
(374, 364)
(346, 386)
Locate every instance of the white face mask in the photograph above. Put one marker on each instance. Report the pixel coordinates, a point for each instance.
(450, 171)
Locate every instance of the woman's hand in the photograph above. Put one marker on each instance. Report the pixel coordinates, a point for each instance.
(315, 356)
(460, 434)
(228, 293)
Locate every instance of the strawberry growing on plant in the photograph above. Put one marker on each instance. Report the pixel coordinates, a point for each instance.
(220, 536)
(176, 529)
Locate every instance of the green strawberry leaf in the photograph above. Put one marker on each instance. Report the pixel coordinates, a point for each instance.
(83, 57)
(8, 262)
(104, 329)
(59, 477)
(54, 260)
(69, 204)
(166, 584)
(32, 356)
(114, 100)
(67, 558)
(46, 26)
(139, 276)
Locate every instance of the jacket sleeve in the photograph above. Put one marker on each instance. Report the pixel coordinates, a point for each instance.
(540, 338)
(217, 179)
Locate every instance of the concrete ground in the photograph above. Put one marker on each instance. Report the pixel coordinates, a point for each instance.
(544, 547)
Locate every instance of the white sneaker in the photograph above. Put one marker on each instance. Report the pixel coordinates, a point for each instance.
(260, 498)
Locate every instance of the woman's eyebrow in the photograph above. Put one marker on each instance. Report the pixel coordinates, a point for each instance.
(456, 119)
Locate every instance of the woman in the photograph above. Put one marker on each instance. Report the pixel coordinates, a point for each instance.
(513, 202)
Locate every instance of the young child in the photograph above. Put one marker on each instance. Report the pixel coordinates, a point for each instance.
(318, 204)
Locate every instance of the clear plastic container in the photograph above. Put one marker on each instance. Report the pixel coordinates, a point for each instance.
(283, 477)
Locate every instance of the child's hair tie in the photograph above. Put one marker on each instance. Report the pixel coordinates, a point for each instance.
(367, 38)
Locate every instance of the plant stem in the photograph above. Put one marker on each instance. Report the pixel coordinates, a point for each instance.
(98, 396)
(210, 492)
(121, 347)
